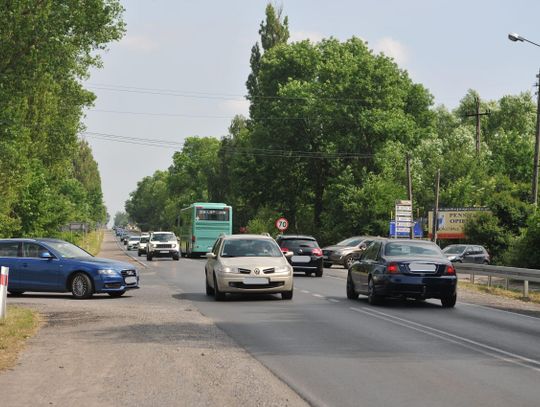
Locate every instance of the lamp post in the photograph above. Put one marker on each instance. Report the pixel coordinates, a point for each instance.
(516, 37)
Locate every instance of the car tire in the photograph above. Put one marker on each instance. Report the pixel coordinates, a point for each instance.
(348, 261)
(149, 257)
(81, 286)
(449, 302)
(176, 257)
(308, 273)
(319, 271)
(209, 290)
(351, 292)
(327, 265)
(15, 292)
(139, 253)
(218, 295)
(287, 295)
(373, 298)
(117, 294)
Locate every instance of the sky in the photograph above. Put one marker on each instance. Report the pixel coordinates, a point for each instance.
(181, 68)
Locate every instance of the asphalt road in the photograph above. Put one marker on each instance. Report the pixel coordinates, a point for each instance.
(337, 352)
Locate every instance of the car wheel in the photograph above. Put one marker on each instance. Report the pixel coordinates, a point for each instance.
(209, 290)
(15, 292)
(117, 294)
(149, 257)
(287, 295)
(218, 295)
(351, 293)
(176, 257)
(319, 271)
(373, 298)
(327, 265)
(139, 253)
(449, 302)
(81, 286)
(347, 263)
(485, 262)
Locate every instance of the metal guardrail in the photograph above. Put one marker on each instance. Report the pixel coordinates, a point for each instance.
(508, 273)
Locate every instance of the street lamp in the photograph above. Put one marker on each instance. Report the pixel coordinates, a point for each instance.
(516, 37)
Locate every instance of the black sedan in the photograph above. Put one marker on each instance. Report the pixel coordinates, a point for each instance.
(403, 269)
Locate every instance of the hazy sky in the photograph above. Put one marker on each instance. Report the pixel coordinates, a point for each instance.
(199, 50)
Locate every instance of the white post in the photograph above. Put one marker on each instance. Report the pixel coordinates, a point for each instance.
(525, 289)
(4, 272)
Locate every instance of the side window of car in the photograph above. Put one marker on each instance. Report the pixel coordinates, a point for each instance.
(372, 251)
(9, 249)
(215, 249)
(33, 250)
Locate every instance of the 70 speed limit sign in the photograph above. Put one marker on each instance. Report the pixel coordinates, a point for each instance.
(282, 224)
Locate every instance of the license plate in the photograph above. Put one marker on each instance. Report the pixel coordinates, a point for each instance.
(300, 259)
(163, 251)
(422, 267)
(325, 257)
(255, 281)
(130, 280)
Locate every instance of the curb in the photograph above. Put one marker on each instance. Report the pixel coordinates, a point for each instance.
(126, 254)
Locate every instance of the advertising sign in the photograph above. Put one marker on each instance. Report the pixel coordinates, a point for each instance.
(404, 218)
(406, 233)
(451, 222)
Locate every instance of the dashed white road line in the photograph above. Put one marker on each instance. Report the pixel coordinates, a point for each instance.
(305, 291)
(318, 295)
(333, 300)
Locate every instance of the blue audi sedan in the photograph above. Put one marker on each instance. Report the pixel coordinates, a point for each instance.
(51, 265)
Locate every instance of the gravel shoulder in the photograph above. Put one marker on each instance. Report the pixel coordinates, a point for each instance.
(148, 348)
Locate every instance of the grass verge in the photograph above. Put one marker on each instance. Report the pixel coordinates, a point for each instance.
(19, 325)
(514, 294)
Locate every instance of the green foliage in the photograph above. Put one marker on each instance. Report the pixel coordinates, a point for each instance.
(263, 221)
(484, 228)
(121, 219)
(46, 49)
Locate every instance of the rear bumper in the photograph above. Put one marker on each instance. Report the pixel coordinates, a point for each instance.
(313, 265)
(417, 287)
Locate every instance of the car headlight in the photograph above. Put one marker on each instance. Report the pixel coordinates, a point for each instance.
(452, 258)
(108, 272)
(224, 269)
(173, 245)
(283, 269)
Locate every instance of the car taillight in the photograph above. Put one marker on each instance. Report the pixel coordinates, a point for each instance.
(284, 249)
(316, 252)
(450, 270)
(193, 238)
(392, 268)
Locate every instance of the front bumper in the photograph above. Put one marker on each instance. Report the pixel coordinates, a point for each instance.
(109, 284)
(235, 283)
(413, 286)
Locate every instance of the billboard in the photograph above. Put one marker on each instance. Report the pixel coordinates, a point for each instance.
(407, 232)
(451, 222)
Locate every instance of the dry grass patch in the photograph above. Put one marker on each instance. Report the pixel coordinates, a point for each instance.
(19, 325)
(514, 294)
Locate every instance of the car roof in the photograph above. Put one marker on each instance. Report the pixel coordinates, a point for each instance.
(33, 239)
(247, 236)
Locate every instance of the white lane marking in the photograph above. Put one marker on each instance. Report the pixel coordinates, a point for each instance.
(337, 278)
(449, 337)
(318, 295)
(333, 300)
(499, 310)
(305, 291)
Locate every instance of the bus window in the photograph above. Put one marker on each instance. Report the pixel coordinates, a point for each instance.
(213, 214)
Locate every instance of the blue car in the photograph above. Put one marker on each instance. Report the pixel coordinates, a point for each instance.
(51, 265)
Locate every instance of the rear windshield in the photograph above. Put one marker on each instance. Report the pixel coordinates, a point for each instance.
(163, 237)
(298, 243)
(403, 249)
(212, 214)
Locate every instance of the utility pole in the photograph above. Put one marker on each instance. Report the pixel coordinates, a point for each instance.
(409, 188)
(536, 145)
(435, 225)
(477, 114)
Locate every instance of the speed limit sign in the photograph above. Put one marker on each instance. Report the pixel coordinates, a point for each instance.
(282, 224)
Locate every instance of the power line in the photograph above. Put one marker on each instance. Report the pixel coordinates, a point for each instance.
(188, 115)
(260, 152)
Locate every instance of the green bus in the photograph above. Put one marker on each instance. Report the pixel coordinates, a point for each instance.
(201, 223)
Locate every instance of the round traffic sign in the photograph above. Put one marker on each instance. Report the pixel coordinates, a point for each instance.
(282, 224)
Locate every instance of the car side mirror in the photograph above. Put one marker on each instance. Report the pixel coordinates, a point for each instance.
(362, 247)
(288, 254)
(210, 255)
(45, 255)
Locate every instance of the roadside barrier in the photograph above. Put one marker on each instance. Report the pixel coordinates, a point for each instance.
(508, 273)
(4, 273)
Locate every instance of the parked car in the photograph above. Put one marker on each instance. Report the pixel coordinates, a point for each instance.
(247, 264)
(143, 244)
(162, 244)
(133, 242)
(51, 265)
(345, 252)
(404, 269)
(463, 253)
(307, 255)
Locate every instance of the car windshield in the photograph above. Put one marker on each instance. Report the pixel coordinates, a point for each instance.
(135, 238)
(409, 249)
(250, 248)
(454, 249)
(68, 250)
(163, 237)
(144, 240)
(351, 241)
